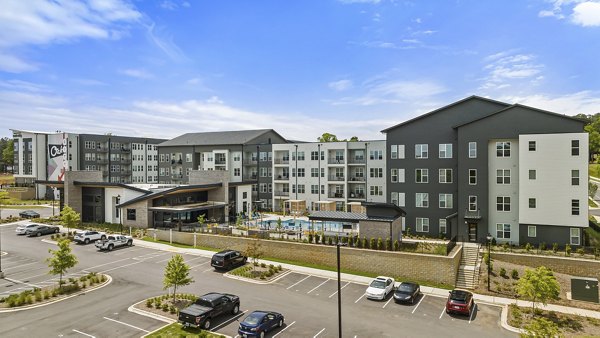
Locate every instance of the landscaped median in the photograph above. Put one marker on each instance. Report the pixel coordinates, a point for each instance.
(37, 297)
(541, 323)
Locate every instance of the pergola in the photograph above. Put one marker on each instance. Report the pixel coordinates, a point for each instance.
(297, 207)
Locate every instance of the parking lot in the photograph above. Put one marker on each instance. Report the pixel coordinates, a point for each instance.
(309, 303)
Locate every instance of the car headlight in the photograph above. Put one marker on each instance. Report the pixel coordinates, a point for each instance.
(254, 329)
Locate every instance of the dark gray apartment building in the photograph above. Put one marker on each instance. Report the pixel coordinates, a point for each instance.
(246, 154)
(479, 166)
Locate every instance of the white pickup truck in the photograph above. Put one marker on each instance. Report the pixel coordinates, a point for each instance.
(87, 236)
(114, 241)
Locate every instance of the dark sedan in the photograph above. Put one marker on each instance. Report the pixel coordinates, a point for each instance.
(29, 214)
(41, 229)
(460, 302)
(407, 292)
(259, 322)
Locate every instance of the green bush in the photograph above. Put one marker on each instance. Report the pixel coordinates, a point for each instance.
(279, 267)
(54, 292)
(514, 274)
(157, 304)
(396, 245)
(165, 307)
(568, 250)
(263, 265)
(262, 277)
(542, 246)
(503, 273)
(373, 243)
(47, 294)
(359, 243)
(329, 240)
(581, 251)
(323, 239)
(379, 244)
(494, 241)
(172, 309)
(528, 247)
(317, 237)
(388, 244)
(555, 247)
(149, 302)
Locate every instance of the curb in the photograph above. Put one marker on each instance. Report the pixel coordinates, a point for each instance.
(140, 312)
(249, 280)
(49, 241)
(504, 321)
(31, 307)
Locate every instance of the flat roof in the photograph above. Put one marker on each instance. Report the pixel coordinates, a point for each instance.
(189, 207)
(345, 216)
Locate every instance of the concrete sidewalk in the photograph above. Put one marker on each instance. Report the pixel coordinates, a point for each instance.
(437, 292)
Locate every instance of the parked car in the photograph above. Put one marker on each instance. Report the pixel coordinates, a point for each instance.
(207, 307)
(41, 229)
(460, 302)
(29, 214)
(114, 241)
(228, 259)
(380, 288)
(407, 292)
(87, 236)
(258, 323)
(22, 229)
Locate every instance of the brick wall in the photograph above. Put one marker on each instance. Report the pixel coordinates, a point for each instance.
(407, 266)
(142, 215)
(566, 265)
(73, 192)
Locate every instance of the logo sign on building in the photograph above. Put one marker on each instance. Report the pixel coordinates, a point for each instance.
(57, 157)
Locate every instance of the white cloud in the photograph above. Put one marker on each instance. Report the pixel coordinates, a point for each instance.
(586, 14)
(359, 1)
(504, 68)
(13, 64)
(340, 85)
(583, 102)
(383, 90)
(137, 73)
(165, 42)
(214, 100)
(186, 4)
(169, 5)
(194, 81)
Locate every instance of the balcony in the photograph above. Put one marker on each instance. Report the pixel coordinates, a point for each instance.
(251, 161)
(177, 177)
(357, 161)
(357, 179)
(218, 162)
(336, 178)
(102, 161)
(250, 177)
(282, 193)
(124, 172)
(282, 178)
(357, 195)
(282, 160)
(125, 160)
(125, 149)
(333, 194)
(102, 149)
(335, 161)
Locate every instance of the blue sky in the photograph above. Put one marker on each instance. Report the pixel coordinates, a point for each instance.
(350, 67)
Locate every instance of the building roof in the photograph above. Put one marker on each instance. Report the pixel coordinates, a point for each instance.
(183, 188)
(472, 97)
(345, 216)
(517, 105)
(110, 185)
(235, 137)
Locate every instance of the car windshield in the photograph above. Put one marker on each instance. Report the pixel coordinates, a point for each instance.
(459, 296)
(405, 288)
(253, 319)
(31, 225)
(378, 284)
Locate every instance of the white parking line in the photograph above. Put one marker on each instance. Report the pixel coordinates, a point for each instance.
(135, 327)
(229, 321)
(285, 328)
(386, 303)
(316, 287)
(419, 303)
(127, 251)
(18, 266)
(118, 267)
(333, 294)
(472, 312)
(441, 314)
(195, 266)
(207, 270)
(291, 286)
(364, 294)
(83, 333)
(318, 333)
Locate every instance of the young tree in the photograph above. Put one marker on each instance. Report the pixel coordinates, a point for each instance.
(327, 137)
(177, 273)
(278, 227)
(201, 220)
(541, 327)
(254, 252)
(7, 153)
(69, 217)
(538, 285)
(61, 259)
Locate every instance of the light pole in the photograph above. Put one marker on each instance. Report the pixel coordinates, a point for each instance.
(120, 212)
(339, 289)
(1, 272)
(489, 260)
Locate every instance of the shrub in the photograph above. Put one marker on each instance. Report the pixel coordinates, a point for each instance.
(38, 296)
(581, 251)
(310, 238)
(359, 243)
(83, 278)
(149, 302)
(271, 267)
(494, 241)
(388, 244)
(542, 246)
(329, 240)
(263, 265)
(503, 273)
(165, 307)
(47, 294)
(555, 247)
(351, 241)
(373, 243)
(396, 245)
(505, 246)
(279, 267)
(172, 309)
(317, 238)
(528, 247)
(157, 303)
(103, 278)
(514, 274)
(54, 292)
(567, 250)
(262, 276)
(323, 239)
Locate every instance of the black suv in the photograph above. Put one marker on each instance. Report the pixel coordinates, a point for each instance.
(227, 259)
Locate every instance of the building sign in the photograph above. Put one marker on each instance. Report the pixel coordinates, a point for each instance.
(57, 157)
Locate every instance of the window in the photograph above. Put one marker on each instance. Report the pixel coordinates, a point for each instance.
(532, 203)
(575, 236)
(322, 172)
(188, 158)
(263, 188)
(472, 176)
(502, 149)
(446, 150)
(131, 214)
(503, 230)
(398, 198)
(442, 226)
(394, 197)
(301, 188)
(314, 189)
(422, 200)
(376, 190)
(445, 201)
(236, 171)
(376, 172)
(400, 151)
(421, 150)
(574, 207)
(503, 203)
(263, 172)
(236, 157)
(422, 224)
(301, 172)
(575, 147)
(503, 176)
(472, 149)
(394, 175)
(376, 155)
(445, 175)
(90, 145)
(394, 151)
(532, 174)
(472, 203)
(314, 172)
(300, 156)
(531, 231)
(532, 148)
(314, 155)
(422, 175)
(574, 177)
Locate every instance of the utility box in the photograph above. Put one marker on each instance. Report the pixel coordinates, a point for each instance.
(585, 289)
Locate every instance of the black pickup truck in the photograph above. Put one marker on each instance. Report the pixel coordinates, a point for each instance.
(207, 307)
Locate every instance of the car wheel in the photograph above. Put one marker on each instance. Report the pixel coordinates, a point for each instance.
(56, 230)
(87, 241)
(38, 234)
(235, 309)
(103, 237)
(206, 324)
(280, 322)
(129, 243)
(412, 301)
(110, 247)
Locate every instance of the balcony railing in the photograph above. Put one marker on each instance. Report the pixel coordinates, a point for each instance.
(250, 161)
(125, 149)
(336, 194)
(102, 161)
(356, 161)
(357, 195)
(176, 177)
(282, 193)
(336, 178)
(335, 161)
(102, 149)
(220, 162)
(282, 161)
(282, 177)
(125, 160)
(124, 172)
(250, 177)
(357, 179)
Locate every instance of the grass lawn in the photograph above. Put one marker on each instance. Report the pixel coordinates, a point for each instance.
(594, 170)
(569, 325)
(177, 330)
(7, 179)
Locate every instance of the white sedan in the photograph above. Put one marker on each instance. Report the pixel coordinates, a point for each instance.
(380, 287)
(22, 229)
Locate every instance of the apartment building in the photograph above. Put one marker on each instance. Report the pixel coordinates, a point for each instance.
(46, 156)
(479, 167)
(328, 175)
(245, 154)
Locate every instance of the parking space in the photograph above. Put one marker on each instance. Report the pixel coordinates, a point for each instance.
(125, 324)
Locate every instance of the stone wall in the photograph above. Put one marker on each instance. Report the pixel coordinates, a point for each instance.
(405, 266)
(142, 215)
(73, 192)
(566, 265)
